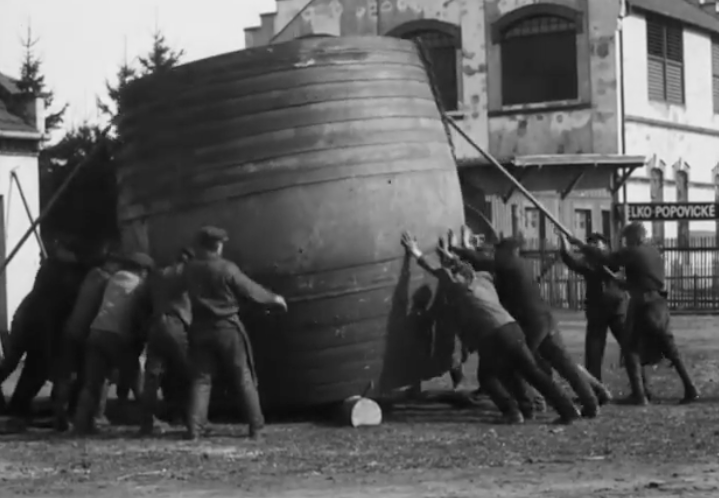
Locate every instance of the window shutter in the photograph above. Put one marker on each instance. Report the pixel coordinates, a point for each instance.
(715, 74)
(655, 70)
(655, 38)
(675, 83)
(665, 60)
(675, 43)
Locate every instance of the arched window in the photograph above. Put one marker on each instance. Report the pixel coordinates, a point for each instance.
(539, 54)
(442, 44)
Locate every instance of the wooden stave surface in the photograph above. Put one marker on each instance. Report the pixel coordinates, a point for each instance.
(339, 377)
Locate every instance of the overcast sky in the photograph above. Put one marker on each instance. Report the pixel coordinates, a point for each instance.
(82, 42)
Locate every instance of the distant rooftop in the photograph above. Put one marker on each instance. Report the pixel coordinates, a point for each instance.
(687, 11)
(9, 121)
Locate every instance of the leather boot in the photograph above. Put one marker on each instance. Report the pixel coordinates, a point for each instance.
(198, 407)
(634, 372)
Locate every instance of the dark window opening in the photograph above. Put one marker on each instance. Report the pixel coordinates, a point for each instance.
(607, 224)
(665, 60)
(442, 50)
(582, 223)
(539, 60)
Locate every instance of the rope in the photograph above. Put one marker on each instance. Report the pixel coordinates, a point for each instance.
(429, 69)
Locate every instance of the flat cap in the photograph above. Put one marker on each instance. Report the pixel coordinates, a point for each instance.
(635, 228)
(510, 243)
(140, 259)
(212, 234)
(597, 237)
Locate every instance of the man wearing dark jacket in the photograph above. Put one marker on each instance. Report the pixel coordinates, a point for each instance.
(521, 297)
(484, 326)
(648, 328)
(605, 303)
(167, 352)
(37, 325)
(217, 337)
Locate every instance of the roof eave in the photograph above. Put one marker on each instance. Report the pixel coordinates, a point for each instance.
(21, 135)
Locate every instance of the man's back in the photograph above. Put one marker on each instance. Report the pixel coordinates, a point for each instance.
(169, 294)
(518, 291)
(211, 297)
(480, 310)
(644, 267)
(88, 302)
(119, 304)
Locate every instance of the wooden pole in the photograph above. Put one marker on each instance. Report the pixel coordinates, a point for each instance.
(509, 176)
(53, 200)
(515, 182)
(15, 178)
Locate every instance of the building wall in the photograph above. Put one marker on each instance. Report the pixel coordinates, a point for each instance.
(20, 273)
(586, 125)
(675, 137)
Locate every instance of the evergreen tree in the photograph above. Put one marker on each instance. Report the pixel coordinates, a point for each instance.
(161, 57)
(32, 83)
(113, 106)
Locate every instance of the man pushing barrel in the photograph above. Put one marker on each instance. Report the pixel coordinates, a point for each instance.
(521, 297)
(217, 336)
(484, 326)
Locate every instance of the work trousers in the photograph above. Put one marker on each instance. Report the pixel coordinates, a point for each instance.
(23, 341)
(507, 363)
(601, 319)
(649, 338)
(105, 352)
(222, 349)
(554, 353)
(167, 356)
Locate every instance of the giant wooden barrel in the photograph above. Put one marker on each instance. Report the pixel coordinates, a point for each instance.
(315, 155)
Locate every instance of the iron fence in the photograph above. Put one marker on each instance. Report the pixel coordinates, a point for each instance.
(692, 274)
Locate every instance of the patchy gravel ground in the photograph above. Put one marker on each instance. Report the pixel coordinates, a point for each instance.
(663, 450)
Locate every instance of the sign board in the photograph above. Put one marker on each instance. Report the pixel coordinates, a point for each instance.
(673, 211)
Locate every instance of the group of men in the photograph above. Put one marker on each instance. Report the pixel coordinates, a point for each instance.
(502, 316)
(185, 316)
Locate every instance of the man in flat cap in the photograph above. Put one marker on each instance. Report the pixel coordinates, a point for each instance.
(605, 302)
(167, 355)
(116, 331)
(521, 297)
(218, 340)
(483, 325)
(648, 327)
(74, 336)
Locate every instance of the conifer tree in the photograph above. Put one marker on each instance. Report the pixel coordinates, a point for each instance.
(32, 83)
(161, 57)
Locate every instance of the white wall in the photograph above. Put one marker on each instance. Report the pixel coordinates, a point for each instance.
(699, 150)
(20, 273)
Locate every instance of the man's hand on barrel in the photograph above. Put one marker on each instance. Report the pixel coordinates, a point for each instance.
(443, 249)
(466, 237)
(280, 302)
(410, 244)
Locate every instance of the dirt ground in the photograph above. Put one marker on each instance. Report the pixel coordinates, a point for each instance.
(663, 450)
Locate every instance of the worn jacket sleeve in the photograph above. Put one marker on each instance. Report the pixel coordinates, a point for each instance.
(246, 288)
(478, 260)
(576, 263)
(143, 316)
(613, 259)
